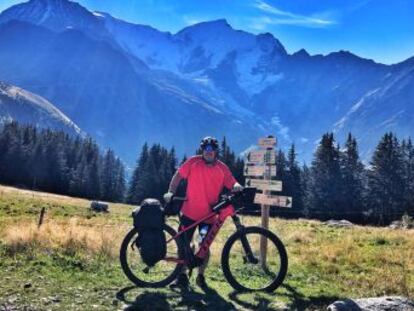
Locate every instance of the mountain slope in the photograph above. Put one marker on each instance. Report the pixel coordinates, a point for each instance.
(25, 107)
(101, 89)
(125, 83)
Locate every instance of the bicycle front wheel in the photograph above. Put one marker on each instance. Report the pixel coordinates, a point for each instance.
(159, 275)
(243, 266)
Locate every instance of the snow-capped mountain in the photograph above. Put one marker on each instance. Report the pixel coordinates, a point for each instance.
(56, 15)
(17, 104)
(126, 83)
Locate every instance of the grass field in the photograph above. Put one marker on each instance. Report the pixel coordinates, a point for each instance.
(71, 262)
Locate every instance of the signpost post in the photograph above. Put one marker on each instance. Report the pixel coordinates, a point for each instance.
(260, 168)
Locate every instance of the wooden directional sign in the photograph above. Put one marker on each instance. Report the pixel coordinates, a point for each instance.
(274, 200)
(259, 171)
(262, 156)
(265, 185)
(267, 142)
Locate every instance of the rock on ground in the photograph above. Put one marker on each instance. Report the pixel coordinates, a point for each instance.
(392, 303)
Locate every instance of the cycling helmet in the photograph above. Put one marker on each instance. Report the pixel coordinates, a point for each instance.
(209, 141)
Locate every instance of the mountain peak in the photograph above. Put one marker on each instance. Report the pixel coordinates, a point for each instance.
(56, 15)
(269, 43)
(302, 53)
(214, 25)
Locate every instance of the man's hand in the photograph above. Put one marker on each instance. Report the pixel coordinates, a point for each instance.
(168, 196)
(237, 187)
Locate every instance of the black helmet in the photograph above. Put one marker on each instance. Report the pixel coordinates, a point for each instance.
(209, 141)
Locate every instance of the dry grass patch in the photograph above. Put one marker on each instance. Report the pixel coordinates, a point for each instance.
(68, 236)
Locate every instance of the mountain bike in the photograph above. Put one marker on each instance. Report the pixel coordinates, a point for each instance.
(240, 259)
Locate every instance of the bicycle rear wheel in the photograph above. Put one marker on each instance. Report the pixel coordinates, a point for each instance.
(159, 275)
(246, 273)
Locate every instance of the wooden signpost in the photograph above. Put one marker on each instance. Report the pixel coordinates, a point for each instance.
(275, 200)
(270, 185)
(261, 164)
(259, 171)
(261, 156)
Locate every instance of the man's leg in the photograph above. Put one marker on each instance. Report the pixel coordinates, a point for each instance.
(186, 237)
(201, 280)
(203, 267)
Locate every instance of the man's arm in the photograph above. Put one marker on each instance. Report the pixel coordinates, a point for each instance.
(229, 181)
(175, 182)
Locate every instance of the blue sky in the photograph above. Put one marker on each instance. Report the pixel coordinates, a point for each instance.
(382, 30)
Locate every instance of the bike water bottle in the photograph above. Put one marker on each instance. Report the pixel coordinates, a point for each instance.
(202, 233)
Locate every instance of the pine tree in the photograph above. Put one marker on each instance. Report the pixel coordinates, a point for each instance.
(293, 184)
(52, 161)
(352, 171)
(305, 184)
(119, 192)
(281, 168)
(386, 181)
(325, 195)
(132, 196)
(408, 169)
(108, 176)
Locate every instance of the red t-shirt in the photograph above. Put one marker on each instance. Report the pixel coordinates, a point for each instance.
(204, 185)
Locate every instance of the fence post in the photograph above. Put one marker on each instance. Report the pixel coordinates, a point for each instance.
(42, 215)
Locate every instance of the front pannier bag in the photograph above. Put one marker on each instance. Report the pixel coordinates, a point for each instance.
(149, 222)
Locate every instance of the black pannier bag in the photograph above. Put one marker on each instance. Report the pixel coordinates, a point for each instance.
(149, 222)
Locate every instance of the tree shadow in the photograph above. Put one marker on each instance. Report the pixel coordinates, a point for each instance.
(172, 299)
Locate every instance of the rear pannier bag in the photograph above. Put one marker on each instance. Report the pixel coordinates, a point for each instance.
(149, 222)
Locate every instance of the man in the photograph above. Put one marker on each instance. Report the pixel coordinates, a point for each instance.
(206, 177)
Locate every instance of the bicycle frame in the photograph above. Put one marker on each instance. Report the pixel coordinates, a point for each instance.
(223, 210)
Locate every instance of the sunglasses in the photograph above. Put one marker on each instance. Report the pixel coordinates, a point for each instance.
(209, 148)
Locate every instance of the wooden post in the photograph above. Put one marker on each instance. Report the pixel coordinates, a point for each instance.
(265, 210)
(42, 215)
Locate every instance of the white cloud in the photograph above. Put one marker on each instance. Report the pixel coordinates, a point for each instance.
(277, 16)
(280, 128)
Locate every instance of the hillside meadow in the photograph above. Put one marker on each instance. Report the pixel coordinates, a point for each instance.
(71, 262)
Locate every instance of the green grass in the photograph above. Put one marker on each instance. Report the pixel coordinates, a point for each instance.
(71, 262)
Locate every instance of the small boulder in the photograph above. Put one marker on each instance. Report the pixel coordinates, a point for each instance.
(99, 207)
(387, 303)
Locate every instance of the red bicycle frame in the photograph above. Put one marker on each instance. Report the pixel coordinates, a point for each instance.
(223, 213)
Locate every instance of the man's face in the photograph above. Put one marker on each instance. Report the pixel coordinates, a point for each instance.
(209, 154)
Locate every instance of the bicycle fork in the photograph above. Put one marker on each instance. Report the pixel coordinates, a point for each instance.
(245, 243)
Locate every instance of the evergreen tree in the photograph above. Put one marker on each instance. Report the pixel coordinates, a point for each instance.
(386, 181)
(305, 184)
(133, 190)
(293, 184)
(325, 195)
(408, 153)
(52, 161)
(281, 168)
(352, 177)
(109, 176)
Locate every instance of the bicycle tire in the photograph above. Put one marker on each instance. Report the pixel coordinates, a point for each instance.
(282, 256)
(130, 274)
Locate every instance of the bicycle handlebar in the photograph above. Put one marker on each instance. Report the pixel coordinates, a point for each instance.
(182, 199)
